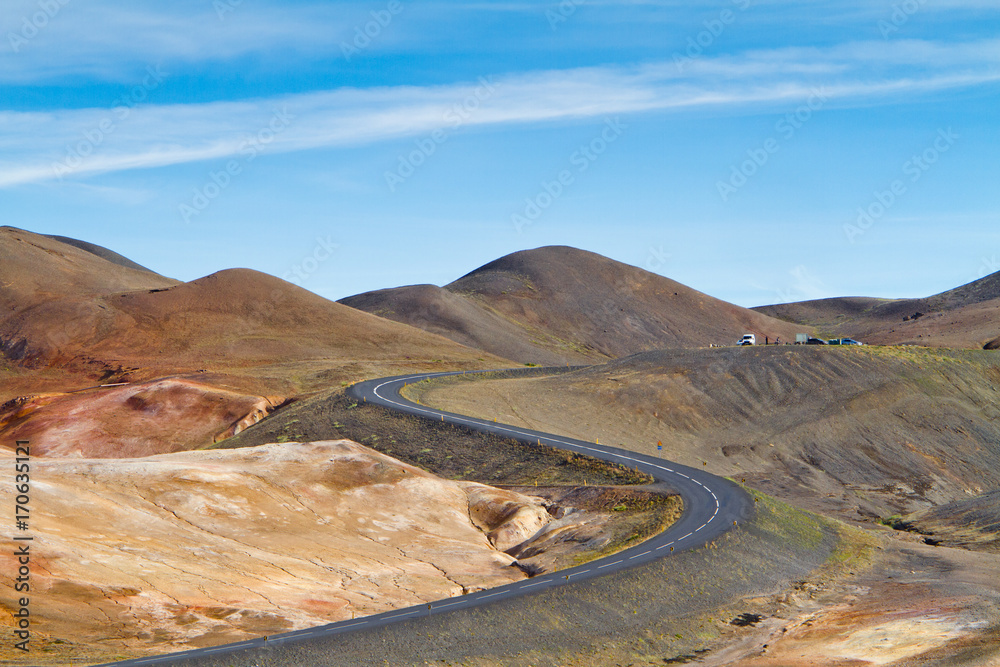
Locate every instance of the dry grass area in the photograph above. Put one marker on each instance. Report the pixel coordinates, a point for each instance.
(882, 597)
(859, 433)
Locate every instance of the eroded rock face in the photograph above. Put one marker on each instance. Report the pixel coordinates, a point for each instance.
(506, 518)
(139, 419)
(200, 548)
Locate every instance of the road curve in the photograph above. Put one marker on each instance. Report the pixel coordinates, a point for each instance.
(712, 506)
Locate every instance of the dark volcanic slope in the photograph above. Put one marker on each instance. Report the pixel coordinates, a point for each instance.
(101, 252)
(442, 312)
(967, 316)
(858, 431)
(973, 523)
(558, 304)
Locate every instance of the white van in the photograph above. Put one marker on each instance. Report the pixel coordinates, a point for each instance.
(748, 339)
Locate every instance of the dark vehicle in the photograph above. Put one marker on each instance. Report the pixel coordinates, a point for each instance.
(816, 341)
(844, 341)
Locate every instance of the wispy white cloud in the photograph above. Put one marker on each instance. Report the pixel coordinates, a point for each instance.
(41, 146)
(101, 40)
(109, 41)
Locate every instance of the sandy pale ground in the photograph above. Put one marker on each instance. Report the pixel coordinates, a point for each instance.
(156, 554)
(914, 605)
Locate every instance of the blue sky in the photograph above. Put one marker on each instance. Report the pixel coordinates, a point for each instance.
(758, 150)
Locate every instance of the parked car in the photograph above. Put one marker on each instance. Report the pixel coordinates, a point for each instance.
(844, 341)
(816, 341)
(748, 339)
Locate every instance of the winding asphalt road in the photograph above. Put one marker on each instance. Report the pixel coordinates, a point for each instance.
(712, 506)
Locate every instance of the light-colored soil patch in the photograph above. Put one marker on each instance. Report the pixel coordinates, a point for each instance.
(150, 555)
(915, 605)
(200, 548)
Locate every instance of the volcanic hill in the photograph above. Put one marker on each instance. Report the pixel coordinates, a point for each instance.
(557, 305)
(967, 316)
(93, 312)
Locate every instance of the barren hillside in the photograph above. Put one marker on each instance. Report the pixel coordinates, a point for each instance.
(860, 432)
(72, 317)
(557, 305)
(967, 316)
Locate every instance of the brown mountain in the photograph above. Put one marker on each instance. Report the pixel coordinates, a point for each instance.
(967, 316)
(557, 305)
(232, 345)
(63, 305)
(36, 269)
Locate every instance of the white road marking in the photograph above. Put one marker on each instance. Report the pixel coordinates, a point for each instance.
(450, 604)
(389, 618)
